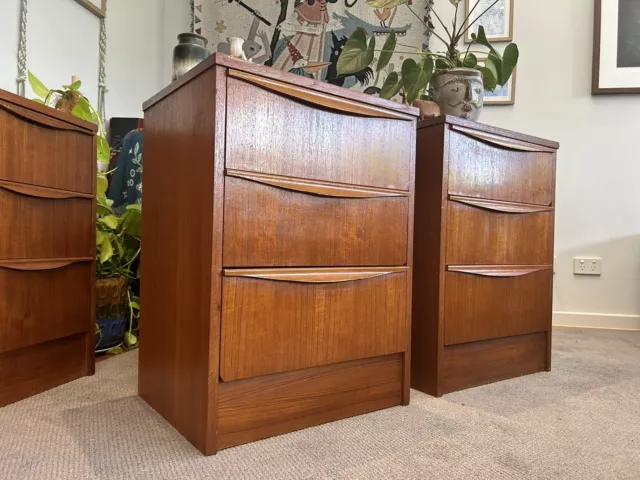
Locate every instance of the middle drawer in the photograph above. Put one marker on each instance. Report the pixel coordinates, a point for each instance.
(277, 221)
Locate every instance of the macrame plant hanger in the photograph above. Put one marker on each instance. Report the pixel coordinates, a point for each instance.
(22, 50)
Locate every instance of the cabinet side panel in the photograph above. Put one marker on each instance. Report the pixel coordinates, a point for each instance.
(177, 260)
(427, 261)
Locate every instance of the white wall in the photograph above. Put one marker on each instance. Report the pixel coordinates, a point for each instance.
(598, 176)
(63, 41)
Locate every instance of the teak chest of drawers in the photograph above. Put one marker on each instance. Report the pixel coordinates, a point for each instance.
(483, 272)
(47, 248)
(277, 238)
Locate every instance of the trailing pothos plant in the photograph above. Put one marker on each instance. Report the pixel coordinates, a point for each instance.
(415, 74)
(117, 238)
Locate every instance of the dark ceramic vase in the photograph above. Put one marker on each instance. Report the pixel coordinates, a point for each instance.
(190, 51)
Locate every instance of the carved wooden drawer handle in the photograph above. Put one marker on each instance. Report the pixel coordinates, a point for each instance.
(501, 141)
(320, 99)
(497, 270)
(317, 187)
(42, 264)
(41, 192)
(42, 119)
(313, 275)
(500, 206)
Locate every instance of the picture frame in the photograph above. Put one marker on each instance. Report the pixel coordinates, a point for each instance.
(505, 95)
(497, 22)
(97, 7)
(616, 47)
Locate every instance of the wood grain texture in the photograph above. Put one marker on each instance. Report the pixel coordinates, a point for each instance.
(177, 238)
(43, 305)
(270, 327)
(39, 227)
(267, 226)
(471, 364)
(32, 370)
(428, 258)
(480, 308)
(484, 128)
(314, 275)
(30, 265)
(223, 60)
(319, 99)
(315, 187)
(503, 174)
(258, 408)
(36, 154)
(319, 144)
(484, 248)
(498, 238)
(41, 192)
(499, 141)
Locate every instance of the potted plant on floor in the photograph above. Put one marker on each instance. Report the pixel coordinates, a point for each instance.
(117, 238)
(450, 78)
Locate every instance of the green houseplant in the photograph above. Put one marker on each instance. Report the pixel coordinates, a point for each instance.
(117, 238)
(413, 80)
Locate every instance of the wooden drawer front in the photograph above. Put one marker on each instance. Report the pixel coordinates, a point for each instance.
(280, 129)
(277, 320)
(268, 226)
(37, 223)
(492, 167)
(40, 150)
(491, 302)
(497, 233)
(42, 301)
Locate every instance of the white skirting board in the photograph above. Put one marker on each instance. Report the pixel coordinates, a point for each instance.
(596, 320)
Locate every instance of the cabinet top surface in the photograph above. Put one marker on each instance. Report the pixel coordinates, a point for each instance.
(275, 74)
(48, 111)
(481, 127)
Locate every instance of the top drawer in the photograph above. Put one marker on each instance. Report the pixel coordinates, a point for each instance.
(488, 166)
(40, 150)
(281, 129)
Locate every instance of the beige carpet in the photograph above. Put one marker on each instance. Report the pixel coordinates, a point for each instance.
(581, 421)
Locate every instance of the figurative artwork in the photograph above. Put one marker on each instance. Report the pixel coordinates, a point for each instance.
(616, 47)
(497, 21)
(306, 37)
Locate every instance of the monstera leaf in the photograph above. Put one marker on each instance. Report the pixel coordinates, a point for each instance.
(415, 77)
(356, 54)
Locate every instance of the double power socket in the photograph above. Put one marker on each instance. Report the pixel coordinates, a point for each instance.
(587, 266)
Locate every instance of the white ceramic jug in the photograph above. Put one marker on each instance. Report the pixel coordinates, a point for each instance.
(236, 47)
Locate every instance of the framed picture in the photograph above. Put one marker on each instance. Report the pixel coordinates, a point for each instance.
(497, 21)
(97, 7)
(504, 95)
(616, 47)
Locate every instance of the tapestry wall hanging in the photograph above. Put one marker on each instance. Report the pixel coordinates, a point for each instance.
(307, 36)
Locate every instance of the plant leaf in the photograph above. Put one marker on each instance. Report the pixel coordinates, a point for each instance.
(355, 54)
(134, 206)
(387, 51)
(509, 61)
(488, 79)
(115, 351)
(110, 221)
(391, 86)
(37, 100)
(481, 38)
(416, 77)
(441, 64)
(135, 305)
(82, 110)
(106, 250)
(493, 64)
(130, 339)
(103, 184)
(104, 153)
(37, 86)
(99, 237)
(470, 61)
(75, 86)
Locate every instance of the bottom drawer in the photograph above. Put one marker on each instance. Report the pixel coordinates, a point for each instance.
(483, 302)
(478, 363)
(278, 320)
(42, 301)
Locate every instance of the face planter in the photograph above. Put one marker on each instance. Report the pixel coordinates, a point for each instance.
(458, 92)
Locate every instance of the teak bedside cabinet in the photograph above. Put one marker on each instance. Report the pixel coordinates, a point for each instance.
(483, 275)
(277, 237)
(47, 248)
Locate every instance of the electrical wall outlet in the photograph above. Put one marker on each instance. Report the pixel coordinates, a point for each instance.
(587, 266)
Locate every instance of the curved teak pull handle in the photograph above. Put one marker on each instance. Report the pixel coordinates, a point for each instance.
(320, 99)
(313, 275)
(41, 192)
(501, 141)
(500, 206)
(41, 119)
(316, 187)
(41, 264)
(498, 270)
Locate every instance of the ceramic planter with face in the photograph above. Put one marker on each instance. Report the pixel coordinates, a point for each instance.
(458, 92)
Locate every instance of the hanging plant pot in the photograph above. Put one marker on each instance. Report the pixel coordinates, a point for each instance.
(112, 312)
